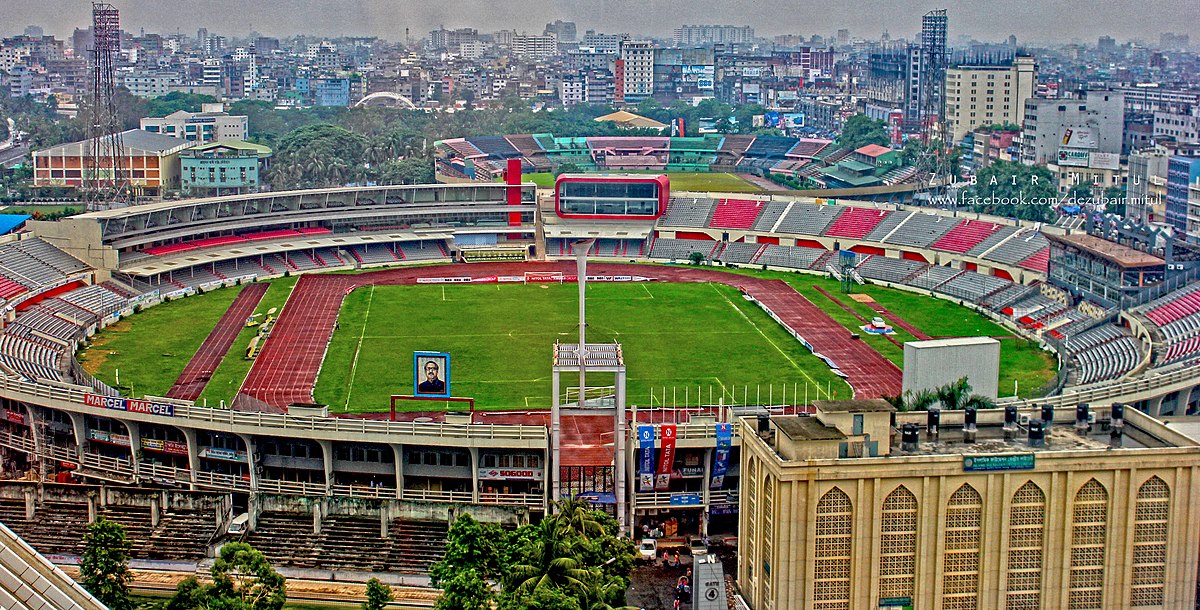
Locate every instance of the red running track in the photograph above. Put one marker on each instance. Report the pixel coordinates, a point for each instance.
(285, 372)
(200, 368)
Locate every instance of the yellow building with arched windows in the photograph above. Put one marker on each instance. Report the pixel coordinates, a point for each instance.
(857, 507)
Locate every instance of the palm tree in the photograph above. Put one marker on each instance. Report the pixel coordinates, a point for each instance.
(577, 516)
(979, 402)
(953, 395)
(549, 563)
(601, 596)
(920, 401)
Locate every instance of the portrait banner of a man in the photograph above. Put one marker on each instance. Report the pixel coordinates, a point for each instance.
(431, 374)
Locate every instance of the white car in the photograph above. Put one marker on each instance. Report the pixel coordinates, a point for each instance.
(697, 546)
(648, 549)
(878, 323)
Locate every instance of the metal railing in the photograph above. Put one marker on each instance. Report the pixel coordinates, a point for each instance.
(107, 464)
(18, 442)
(159, 471)
(436, 496)
(222, 482)
(364, 491)
(530, 500)
(185, 410)
(291, 487)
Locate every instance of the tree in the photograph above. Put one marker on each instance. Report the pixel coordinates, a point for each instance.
(550, 563)
(378, 595)
(466, 590)
(861, 130)
(1014, 190)
(243, 579)
(104, 568)
(566, 168)
(696, 258)
(954, 395)
(577, 516)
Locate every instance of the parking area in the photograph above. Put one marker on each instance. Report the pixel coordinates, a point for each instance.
(653, 584)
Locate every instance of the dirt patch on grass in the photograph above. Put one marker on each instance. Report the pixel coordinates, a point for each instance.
(95, 356)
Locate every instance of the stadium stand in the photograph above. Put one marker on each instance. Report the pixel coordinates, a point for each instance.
(739, 252)
(921, 230)
(680, 249)
(770, 215)
(886, 226)
(1019, 247)
(791, 256)
(422, 250)
(736, 213)
(965, 236)
(991, 241)
(374, 254)
(688, 212)
(809, 219)
(770, 147)
(888, 269)
(855, 222)
(973, 286)
(349, 543)
(494, 146)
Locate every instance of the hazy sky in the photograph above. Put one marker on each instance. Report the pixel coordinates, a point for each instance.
(1030, 20)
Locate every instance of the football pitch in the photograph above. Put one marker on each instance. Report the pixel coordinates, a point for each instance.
(679, 341)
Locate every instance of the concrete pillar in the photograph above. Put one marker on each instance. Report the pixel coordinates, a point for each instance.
(39, 447)
(251, 465)
(327, 457)
(79, 428)
(398, 453)
(316, 515)
(155, 511)
(91, 507)
(707, 493)
(252, 509)
(135, 446)
(474, 451)
(29, 505)
(383, 521)
(193, 449)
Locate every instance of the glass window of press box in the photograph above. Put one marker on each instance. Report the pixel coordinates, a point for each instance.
(609, 198)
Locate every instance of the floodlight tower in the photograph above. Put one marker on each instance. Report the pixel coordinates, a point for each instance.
(104, 180)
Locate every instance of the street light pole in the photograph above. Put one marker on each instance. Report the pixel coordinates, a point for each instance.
(582, 247)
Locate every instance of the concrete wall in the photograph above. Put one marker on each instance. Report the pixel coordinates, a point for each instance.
(929, 364)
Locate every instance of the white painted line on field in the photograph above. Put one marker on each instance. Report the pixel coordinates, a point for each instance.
(358, 348)
(764, 336)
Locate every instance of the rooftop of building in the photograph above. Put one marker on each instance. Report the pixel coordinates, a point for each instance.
(873, 150)
(806, 428)
(133, 142)
(1122, 255)
(233, 145)
(867, 405)
(629, 119)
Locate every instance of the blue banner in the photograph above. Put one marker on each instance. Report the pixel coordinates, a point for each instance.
(721, 458)
(646, 458)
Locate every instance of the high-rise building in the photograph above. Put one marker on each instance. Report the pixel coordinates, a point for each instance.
(1146, 185)
(637, 59)
(988, 95)
(1180, 125)
(604, 43)
(1068, 131)
(564, 30)
(699, 35)
(1087, 508)
(1183, 170)
(534, 48)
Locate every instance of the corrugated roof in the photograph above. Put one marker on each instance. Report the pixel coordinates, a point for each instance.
(873, 150)
(133, 141)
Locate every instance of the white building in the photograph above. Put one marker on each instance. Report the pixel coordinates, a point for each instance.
(1070, 131)
(987, 95)
(210, 125)
(151, 84)
(697, 35)
(637, 57)
(535, 48)
(1182, 126)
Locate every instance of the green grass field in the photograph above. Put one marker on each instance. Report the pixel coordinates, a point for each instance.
(500, 337)
(718, 182)
(151, 348)
(675, 336)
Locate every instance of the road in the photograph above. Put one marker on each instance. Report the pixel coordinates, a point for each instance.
(11, 157)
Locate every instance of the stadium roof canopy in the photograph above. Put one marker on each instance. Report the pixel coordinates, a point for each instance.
(31, 582)
(631, 120)
(9, 222)
(1122, 255)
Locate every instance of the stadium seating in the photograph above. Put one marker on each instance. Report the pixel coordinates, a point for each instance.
(422, 250)
(688, 212)
(1017, 248)
(886, 226)
(933, 276)
(973, 286)
(809, 219)
(921, 230)
(770, 147)
(991, 240)
(736, 213)
(374, 254)
(1038, 261)
(966, 235)
(680, 249)
(1174, 306)
(791, 256)
(349, 543)
(770, 215)
(855, 222)
(739, 252)
(888, 269)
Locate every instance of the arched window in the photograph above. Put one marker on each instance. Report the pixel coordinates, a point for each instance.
(960, 560)
(831, 565)
(1089, 526)
(1151, 511)
(1026, 537)
(898, 544)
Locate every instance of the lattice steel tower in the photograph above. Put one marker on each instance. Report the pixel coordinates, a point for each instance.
(105, 178)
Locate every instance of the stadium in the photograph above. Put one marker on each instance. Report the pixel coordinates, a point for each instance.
(322, 436)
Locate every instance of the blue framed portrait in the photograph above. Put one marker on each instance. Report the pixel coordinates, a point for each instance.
(431, 374)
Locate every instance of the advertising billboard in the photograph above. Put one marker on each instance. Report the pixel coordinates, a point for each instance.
(431, 374)
(1073, 157)
(1079, 137)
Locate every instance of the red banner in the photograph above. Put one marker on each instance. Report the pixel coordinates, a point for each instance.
(666, 457)
(14, 417)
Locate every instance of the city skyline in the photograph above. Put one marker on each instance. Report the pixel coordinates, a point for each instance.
(1040, 22)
